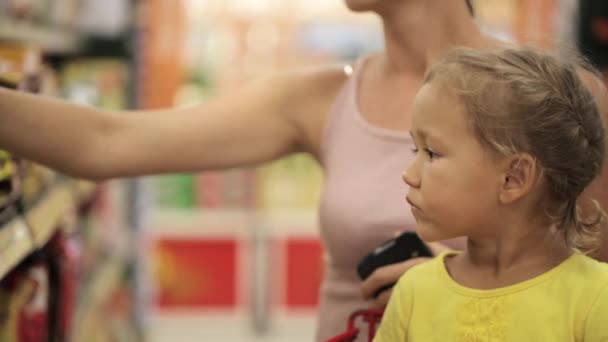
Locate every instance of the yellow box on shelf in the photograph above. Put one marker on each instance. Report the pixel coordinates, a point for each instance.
(15, 245)
(46, 216)
(83, 189)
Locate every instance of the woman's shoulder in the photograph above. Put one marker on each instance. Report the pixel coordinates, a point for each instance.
(302, 84)
(308, 94)
(315, 79)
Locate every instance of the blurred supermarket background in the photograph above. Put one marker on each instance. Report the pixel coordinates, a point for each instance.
(215, 256)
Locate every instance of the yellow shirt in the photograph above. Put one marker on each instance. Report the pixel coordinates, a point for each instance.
(567, 303)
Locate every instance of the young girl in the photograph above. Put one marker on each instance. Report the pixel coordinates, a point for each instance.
(506, 141)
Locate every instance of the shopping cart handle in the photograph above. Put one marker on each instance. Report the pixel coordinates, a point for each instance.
(370, 316)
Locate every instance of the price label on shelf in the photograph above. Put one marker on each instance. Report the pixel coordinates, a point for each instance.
(15, 245)
(46, 217)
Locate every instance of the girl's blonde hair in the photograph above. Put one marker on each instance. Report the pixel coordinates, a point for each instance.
(523, 100)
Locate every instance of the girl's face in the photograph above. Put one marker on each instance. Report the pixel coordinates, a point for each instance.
(454, 183)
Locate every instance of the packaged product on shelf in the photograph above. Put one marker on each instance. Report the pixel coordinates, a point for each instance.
(24, 298)
(290, 183)
(12, 60)
(237, 188)
(21, 9)
(209, 190)
(21, 68)
(8, 78)
(8, 180)
(105, 293)
(174, 191)
(119, 307)
(96, 82)
(64, 13)
(65, 253)
(35, 11)
(225, 189)
(34, 179)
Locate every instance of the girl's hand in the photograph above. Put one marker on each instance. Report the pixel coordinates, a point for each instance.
(389, 274)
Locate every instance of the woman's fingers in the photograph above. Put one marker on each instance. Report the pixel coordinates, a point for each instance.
(382, 299)
(387, 275)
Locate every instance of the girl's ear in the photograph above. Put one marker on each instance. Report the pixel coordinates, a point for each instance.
(521, 173)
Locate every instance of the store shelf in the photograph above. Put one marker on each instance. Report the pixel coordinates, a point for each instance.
(47, 215)
(45, 38)
(15, 245)
(22, 235)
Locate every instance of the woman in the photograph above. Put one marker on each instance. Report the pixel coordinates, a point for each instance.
(355, 124)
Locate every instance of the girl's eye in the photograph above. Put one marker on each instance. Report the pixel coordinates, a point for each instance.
(431, 154)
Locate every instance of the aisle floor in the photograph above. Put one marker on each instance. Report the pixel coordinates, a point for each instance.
(228, 328)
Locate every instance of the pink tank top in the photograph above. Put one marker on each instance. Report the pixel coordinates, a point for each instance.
(363, 201)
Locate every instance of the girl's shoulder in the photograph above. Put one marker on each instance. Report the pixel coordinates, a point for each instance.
(585, 277)
(583, 267)
(429, 270)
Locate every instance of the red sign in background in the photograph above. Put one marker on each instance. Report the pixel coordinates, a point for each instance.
(203, 273)
(304, 271)
(196, 273)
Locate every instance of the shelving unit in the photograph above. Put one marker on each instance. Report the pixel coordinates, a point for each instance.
(70, 231)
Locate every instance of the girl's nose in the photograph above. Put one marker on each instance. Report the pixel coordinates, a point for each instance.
(410, 177)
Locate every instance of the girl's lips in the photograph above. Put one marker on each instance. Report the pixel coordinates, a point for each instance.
(416, 212)
(409, 201)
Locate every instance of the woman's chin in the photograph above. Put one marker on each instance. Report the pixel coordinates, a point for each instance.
(361, 5)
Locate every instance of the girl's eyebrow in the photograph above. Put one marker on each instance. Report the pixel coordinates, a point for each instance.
(428, 136)
(419, 132)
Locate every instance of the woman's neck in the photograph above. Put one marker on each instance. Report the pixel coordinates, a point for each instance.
(418, 32)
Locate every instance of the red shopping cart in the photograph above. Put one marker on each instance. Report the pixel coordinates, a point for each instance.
(370, 316)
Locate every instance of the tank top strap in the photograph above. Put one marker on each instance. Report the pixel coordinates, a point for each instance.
(344, 104)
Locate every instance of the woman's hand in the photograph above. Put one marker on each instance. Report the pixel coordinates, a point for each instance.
(389, 274)
(383, 276)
